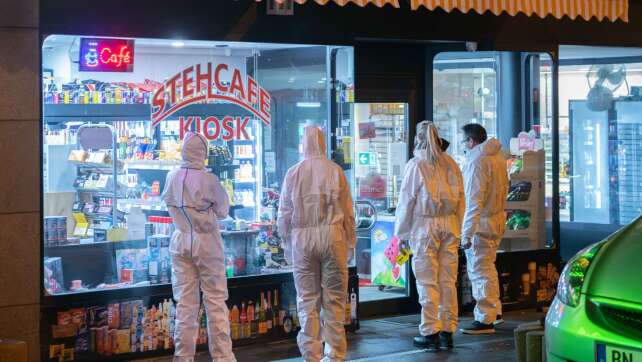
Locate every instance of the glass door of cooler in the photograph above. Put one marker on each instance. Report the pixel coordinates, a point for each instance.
(380, 154)
(590, 179)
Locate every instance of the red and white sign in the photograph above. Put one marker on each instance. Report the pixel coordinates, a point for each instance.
(203, 83)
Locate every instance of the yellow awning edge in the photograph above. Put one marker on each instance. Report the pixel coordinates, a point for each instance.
(586, 9)
(362, 3)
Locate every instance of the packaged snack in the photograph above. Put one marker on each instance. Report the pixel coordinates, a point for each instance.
(123, 337)
(83, 341)
(67, 354)
(100, 340)
(125, 314)
(55, 350)
(78, 316)
(113, 316)
(64, 318)
(64, 331)
(113, 338)
(98, 316)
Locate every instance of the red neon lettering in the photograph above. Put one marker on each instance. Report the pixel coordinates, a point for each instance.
(237, 84)
(217, 79)
(201, 77)
(158, 101)
(187, 81)
(107, 56)
(184, 125)
(228, 128)
(251, 90)
(207, 130)
(264, 103)
(171, 85)
(240, 128)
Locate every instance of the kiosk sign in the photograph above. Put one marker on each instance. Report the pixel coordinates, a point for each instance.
(203, 83)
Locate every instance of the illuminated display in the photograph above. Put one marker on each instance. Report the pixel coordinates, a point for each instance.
(106, 55)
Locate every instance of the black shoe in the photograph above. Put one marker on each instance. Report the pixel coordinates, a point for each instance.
(498, 320)
(479, 328)
(431, 342)
(446, 339)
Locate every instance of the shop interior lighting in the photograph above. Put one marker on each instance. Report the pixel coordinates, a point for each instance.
(178, 44)
(308, 104)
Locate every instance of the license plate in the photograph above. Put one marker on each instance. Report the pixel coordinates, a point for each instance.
(608, 353)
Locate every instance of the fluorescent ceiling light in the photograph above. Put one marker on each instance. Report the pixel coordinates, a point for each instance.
(178, 44)
(308, 104)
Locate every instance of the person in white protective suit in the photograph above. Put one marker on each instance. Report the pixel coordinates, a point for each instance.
(486, 185)
(429, 214)
(196, 201)
(316, 220)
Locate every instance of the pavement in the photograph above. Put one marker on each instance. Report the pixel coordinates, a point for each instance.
(390, 339)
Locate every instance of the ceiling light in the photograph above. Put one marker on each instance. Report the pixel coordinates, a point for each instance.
(308, 104)
(178, 44)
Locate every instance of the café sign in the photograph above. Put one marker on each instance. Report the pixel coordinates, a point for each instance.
(203, 83)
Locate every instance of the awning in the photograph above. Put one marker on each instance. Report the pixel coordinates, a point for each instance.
(378, 3)
(586, 9)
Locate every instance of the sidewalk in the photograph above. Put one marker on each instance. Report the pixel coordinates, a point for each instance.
(390, 339)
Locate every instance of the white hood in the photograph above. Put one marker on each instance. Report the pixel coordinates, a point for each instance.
(194, 151)
(313, 142)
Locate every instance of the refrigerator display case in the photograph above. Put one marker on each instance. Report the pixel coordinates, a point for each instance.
(606, 162)
(589, 164)
(106, 232)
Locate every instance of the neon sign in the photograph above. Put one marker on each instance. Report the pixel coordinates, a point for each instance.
(106, 55)
(204, 83)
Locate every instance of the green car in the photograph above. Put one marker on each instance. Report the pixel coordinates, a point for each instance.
(597, 313)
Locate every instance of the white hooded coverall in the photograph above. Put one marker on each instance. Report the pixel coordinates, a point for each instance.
(196, 201)
(316, 220)
(429, 214)
(486, 183)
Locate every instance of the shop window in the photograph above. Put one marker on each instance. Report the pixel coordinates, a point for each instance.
(464, 91)
(518, 112)
(108, 146)
(600, 134)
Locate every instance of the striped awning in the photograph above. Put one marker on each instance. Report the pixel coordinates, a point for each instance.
(586, 9)
(378, 3)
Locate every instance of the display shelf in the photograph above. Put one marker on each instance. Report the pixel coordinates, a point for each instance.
(131, 112)
(154, 205)
(519, 205)
(97, 192)
(127, 244)
(95, 216)
(98, 166)
(153, 164)
(515, 234)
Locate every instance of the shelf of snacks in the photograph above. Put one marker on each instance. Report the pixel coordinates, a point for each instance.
(525, 200)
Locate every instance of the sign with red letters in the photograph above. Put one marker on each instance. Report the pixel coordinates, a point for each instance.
(203, 83)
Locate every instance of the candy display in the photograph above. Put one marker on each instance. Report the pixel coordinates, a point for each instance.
(519, 191)
(96, 92)
(518, 220)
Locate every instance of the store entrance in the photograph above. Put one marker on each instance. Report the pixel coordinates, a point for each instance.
(380, 153)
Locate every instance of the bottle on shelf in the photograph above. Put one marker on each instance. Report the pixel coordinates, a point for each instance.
(262, 321)
(279, 314)
(252, 314)
(245, 325)
(269, 316)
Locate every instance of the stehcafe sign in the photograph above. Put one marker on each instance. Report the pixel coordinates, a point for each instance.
(204, 83)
